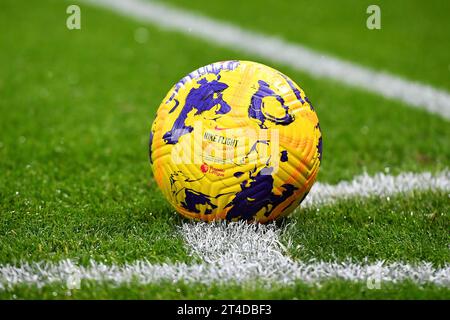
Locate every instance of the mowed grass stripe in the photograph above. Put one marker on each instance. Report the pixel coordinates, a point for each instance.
(333, 289)
(293, 55)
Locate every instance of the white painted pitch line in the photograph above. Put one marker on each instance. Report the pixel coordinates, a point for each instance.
(274, 49)
(241, 252)
(231, 253)
(379, 185)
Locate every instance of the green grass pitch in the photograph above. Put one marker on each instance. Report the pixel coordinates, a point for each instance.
(75, 114)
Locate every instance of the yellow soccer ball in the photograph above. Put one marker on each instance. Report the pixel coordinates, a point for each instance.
(235, 140)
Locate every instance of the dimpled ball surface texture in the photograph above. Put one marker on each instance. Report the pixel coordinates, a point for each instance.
(235, 140)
